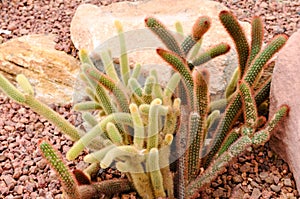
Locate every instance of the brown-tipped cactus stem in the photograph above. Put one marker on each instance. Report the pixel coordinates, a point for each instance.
(235, 30)
(160, 30)
(67, 179)
(263, 57)
(257, 35)
(200, 27)
(180, 65)
(211, 53)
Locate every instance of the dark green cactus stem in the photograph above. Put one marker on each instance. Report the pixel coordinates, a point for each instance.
(155, 174)
(10, 90)
(201, 93)
(278, 116)
(195, 142)
(217, 50)
(200, 27)
(257, 35)
(167, 38)
(179, 65)
(231, 87)
(125, 70)
(67, 179)
(231, 114)
(110, 85)
(25, 84)
(231, 138)
(249, 105)
(106, 187)
(263, 57)
(235, 30)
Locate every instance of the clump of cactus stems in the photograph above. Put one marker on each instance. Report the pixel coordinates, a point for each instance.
(142, 127)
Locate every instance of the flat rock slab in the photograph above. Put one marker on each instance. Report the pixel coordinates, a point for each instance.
(92, 26)
(51, 72)
(285, 89)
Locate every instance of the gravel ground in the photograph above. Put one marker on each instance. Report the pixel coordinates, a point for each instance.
(259, 173)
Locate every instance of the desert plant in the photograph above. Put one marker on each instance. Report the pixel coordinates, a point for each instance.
(142, 127)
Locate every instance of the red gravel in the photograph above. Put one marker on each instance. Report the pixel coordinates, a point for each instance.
(24, 174)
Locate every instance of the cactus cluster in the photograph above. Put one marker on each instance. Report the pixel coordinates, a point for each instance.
(141, 128)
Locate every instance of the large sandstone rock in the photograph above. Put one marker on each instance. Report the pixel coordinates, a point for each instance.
(285, 89)
(51, 72)
(93, 26)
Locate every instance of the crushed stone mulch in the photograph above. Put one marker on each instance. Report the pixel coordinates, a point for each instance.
(259, 173)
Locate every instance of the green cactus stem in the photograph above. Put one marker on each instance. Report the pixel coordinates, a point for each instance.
(97, 156)
(125, 70)
(217, 50)
(200, 27)
(114, 133)
(24, 83)
(109, 66)
(231, 87)
(84, 57)
(11, 90)
(87, 106)
(235, 30)
(179, 28)
(136, 71)
(166, 37)
(257, 35)
(67, 179)
(135, 87)
(170, 88)
(89, 118)
(139, 132)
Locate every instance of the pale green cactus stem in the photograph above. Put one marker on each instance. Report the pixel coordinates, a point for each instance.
(109, 65)
(125, 70)
(179, 28)
(155, 174)
(97, 156)
(231, 87)
(84, 57)
(89, 118)
(91, 170)
(135, 87)
(99, 129)
(122, 152)
(160, 30)
(278, 116)
(153, 125)
(148, 88)
(67, 179)
(24, 83)
(211, 118)
(92, 94)
(170, 88)
(136, 71)
(139, 131)
(157, 90)
(11, 90)
(249, 105)
(114, 133)
(87, 106)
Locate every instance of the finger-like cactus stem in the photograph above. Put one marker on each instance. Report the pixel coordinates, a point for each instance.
(249, 106)
(139, 132)
(148, 88)
(67, 179)
(200, 27)
(231, 87)
(136, 71)
(135, 87)
(98, 155)
(114, 133)
(212, 118)
(109, 65)
(87, 106)
(211, 53)
(125, 70)
(235, 30)
(84, 57)
(160, 30)
(155, 174)
(179, 28)
(277, 117)
(263, 57)
(231, 138)
(25, 84)
(89, 118)
(11, 90)
(257, 35)
(170, 88)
